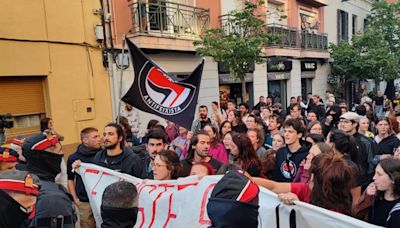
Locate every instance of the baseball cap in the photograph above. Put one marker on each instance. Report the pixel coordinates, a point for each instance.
(350, 116)
(19, 181)
(236, 186)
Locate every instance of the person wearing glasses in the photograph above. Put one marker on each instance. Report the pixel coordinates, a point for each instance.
(167, 166)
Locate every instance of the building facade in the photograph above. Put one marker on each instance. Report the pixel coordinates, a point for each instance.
(51, 66)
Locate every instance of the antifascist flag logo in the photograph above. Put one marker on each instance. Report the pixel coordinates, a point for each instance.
(158, 92)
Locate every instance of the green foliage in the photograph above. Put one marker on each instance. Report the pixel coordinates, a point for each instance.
(240, 41)
(375, 53)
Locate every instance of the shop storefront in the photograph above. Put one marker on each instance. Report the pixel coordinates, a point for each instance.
(308, 69)
(278, 72)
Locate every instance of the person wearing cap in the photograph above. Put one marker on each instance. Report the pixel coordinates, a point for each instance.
(18, 193)
(349, 123)
(234, 202)
(89, 147)
(8, 158)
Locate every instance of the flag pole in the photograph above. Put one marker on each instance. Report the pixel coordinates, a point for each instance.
(121, 76)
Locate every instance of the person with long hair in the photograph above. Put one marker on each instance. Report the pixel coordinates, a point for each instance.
(345, 146)
(328, 186)
(225, 127)
(385, 140)
(166, 166)
(256, 137)
(228, 142)
(278, 140)
(236, 120)
(217, 150)
(382, 196)
(245, 155)
(314, 127)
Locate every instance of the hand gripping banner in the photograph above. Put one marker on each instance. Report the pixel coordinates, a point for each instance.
(183, 203)
(159, 92)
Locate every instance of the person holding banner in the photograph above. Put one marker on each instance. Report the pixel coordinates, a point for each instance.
(166, 166)
(329, 185)
(116, 156)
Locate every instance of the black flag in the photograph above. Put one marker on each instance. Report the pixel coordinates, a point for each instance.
(158, 92)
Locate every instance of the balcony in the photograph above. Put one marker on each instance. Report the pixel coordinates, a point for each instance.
(316, 3)
(167, 25)
(296, 43)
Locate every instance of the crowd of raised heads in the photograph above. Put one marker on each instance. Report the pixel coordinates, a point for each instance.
(318, 150)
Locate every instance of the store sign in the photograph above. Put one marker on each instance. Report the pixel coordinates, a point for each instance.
(308, 65)
(308, 74)
(278, 76)
(230, 79)
(279, 65)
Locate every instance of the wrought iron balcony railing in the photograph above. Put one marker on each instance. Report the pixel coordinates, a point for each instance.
(168, 19)
(287, 37)
(316, 41)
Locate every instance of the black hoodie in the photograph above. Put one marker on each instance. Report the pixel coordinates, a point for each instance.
(118, 217)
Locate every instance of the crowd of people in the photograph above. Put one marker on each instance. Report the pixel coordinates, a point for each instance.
(319, 151)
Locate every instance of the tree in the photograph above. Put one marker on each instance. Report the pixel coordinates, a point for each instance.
(239, 43)
(374, 53)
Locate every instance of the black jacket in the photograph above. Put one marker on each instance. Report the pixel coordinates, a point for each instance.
(126, 162)
(387, 145)
(85, 155)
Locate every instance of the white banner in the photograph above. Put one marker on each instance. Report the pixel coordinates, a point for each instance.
(183, 203)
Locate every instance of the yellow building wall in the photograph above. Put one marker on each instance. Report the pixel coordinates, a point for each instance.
(47, 38)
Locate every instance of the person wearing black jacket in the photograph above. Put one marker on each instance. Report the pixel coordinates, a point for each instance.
(288, 158)
(386, 142)
(116, 156)
(86, 151)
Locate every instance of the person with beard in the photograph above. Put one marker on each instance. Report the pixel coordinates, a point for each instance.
(43, 155)
(18, 195)
(119, 205)
(116, 155)
(86, 151)
(198, 152)
(331, 120)
(199, 123)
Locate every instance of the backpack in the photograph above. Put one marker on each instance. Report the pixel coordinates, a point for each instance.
(54, 207)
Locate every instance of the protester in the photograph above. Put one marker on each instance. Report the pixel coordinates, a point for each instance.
(382, 196)
(237, 125)
(261, 101)
(234, 202)
(202, 120)
(378, 104)
(244, 111)
(226, 126)
(268, 163)
(86, 151)
(18, 194)
(278, 140)
(386, 142)
(253, 121)
(265, 114)
(201, 169)
(155, 144)
(314, 138)
(198, 152)
(244, 155)
(228, 142)
(315, 150)
(312, 116)
(119, 205)
(116, 156)
(166, 166)
(275, 122)
(277, 109)
(288, 158)
(256, 137)
(364, 127)
(171, 132)
(180, 142)
(217, 150)
(319, 107)
(328, 186)
(218, 111)
(314, 127)
(132, 115)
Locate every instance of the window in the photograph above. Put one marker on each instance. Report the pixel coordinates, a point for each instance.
(342, 26)
(354, 27)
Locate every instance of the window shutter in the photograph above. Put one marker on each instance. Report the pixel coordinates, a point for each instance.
(339, 26)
